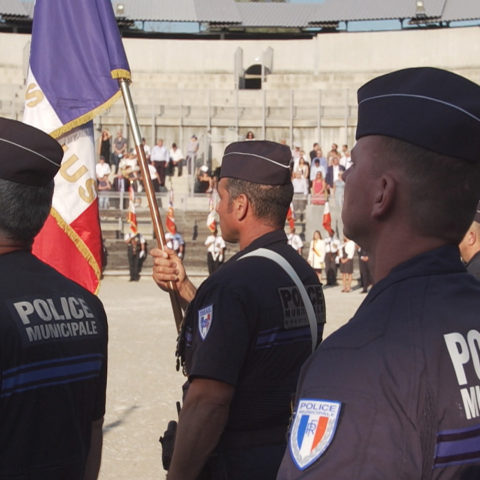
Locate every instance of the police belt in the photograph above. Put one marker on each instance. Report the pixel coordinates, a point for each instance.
(232, 439)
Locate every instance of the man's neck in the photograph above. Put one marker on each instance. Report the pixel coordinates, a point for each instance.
(388, 254)
(249, 236)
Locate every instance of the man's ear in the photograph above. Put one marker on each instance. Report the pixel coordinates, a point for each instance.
(384, 195)
(471, 238)
(241, 206)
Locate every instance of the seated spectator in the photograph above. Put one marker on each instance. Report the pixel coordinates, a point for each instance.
(102, 168)
(104, 185)
(203, 181)
(176, 159)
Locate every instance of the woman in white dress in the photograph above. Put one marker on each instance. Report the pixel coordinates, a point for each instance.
(316, 254)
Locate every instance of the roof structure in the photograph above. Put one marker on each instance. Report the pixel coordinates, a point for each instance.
(253, 15)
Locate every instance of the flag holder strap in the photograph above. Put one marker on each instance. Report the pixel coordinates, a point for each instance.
(150, 192)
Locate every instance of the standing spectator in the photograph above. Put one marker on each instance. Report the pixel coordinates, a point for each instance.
(215, 251)
(315, 168)
(105, 145)
(119, 149)
(192, 152)
(346, 158)
(319, 190)
(313, 152)
(338, 191)
(136, 254)
(102, 170)
(294, 240)
(332, 245)
(333, 170)
(146, 149)
(316, 254)
(160, 156)
(53, 332)
(334, 152)
(365, 276)
(347, 253)
(250, 135)
(176, 157)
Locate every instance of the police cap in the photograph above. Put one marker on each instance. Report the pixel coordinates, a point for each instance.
(27, 155)
(428, 107)
(257, 161)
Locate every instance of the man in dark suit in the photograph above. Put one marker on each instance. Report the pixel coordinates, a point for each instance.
(333, 170)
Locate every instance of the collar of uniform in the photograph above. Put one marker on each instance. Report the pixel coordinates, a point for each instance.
(439, 261)
(264, 241)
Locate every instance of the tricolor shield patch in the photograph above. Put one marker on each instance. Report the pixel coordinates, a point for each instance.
(313, 430)
(205, 317)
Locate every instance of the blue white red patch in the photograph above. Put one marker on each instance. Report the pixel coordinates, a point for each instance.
(312, 430)
(205, 317)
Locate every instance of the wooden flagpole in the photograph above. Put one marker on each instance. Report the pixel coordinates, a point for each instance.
(149, 190)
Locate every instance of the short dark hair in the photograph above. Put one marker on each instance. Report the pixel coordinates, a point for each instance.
(269, 202)
(443, 191)
(24, 209)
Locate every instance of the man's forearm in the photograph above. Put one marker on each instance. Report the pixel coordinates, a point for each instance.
(202, 421)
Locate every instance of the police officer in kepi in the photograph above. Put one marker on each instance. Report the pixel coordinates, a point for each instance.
(246, 331)
(470, 246)
(396, 392)
(53, 333)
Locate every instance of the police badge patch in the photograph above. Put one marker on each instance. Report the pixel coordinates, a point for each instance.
(205, 317)
(313, 430)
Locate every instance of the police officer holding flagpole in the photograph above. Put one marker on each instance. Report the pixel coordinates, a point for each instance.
(395, 393)
(247, 329)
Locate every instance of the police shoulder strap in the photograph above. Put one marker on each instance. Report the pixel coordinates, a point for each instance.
(277, 258)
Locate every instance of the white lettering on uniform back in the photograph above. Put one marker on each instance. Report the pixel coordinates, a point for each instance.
(24, 309)
(459, 354)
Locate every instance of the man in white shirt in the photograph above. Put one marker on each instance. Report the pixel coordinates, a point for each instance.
(176, 157)
(160, 157)
(295, 241)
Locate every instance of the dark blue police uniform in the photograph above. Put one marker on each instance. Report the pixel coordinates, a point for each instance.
(247, 327)
(53, 363)
(395, 393)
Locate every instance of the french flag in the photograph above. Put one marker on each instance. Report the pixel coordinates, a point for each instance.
(76, 58)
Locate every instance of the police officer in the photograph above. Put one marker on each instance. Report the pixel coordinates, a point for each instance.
(246, 332)
(470, 246)
(53, 333)
(396, 392)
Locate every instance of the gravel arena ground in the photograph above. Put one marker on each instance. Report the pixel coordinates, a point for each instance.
(143, 384)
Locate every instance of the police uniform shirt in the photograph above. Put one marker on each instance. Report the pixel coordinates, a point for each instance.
(395, 393)
(53, 362)
(247, 327)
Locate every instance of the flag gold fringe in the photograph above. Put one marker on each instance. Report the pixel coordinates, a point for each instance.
(79, 243)
(85, 117)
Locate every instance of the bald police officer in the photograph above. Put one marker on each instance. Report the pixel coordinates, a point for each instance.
(246, 331)
(395, 393)
(470, 246)
(53, 333)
